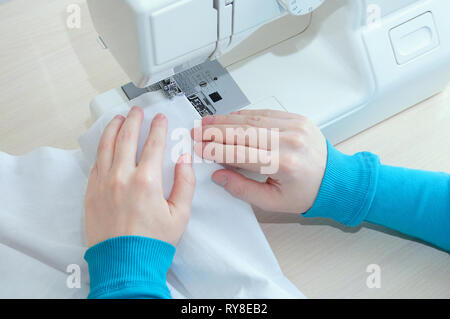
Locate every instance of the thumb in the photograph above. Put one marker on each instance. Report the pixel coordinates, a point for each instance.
(262, 195)
(180, 198)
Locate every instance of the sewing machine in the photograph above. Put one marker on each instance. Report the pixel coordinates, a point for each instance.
(346, 64)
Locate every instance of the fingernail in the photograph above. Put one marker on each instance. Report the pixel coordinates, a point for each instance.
(135, 109)
(208, 120)
(185, 159)
(220, 180)
(119, 117)
(160, 116)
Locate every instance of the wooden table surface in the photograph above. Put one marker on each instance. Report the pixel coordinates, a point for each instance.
(49, 73)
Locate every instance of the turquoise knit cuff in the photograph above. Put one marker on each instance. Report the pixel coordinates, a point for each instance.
(128, 261)
(348, 187)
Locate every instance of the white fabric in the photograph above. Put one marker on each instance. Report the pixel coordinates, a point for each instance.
(223, 253)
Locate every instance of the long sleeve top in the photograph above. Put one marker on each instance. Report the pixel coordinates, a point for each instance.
(354, 189)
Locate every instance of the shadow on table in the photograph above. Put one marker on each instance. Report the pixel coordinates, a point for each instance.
(264, 217)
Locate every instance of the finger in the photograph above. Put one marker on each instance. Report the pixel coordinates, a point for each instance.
(127, 139)
(263, 195)
(107, 144)
(180, 199)
(238, 156)
(269, 113)
(250, 120)
(153, 151)
(234, 135)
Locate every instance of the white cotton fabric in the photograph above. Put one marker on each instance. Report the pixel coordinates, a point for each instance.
(223, 253)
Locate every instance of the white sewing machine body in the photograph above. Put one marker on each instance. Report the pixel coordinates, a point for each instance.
(347, 65)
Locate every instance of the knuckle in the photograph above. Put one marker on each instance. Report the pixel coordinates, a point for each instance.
(255, 120)
(295, 140)
(238, 191)
(289, 163)
(189, 179)
(144, 180)
(301, 119)
(104, 146)
(301, 124)
(125, 135)
(211, 133)
(117, 183)
(153, 142)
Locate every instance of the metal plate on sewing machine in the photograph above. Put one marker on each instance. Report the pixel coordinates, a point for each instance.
(208, 86)
(211, 89)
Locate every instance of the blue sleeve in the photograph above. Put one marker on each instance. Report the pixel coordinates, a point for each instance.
(358, 188)
(129, 267)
